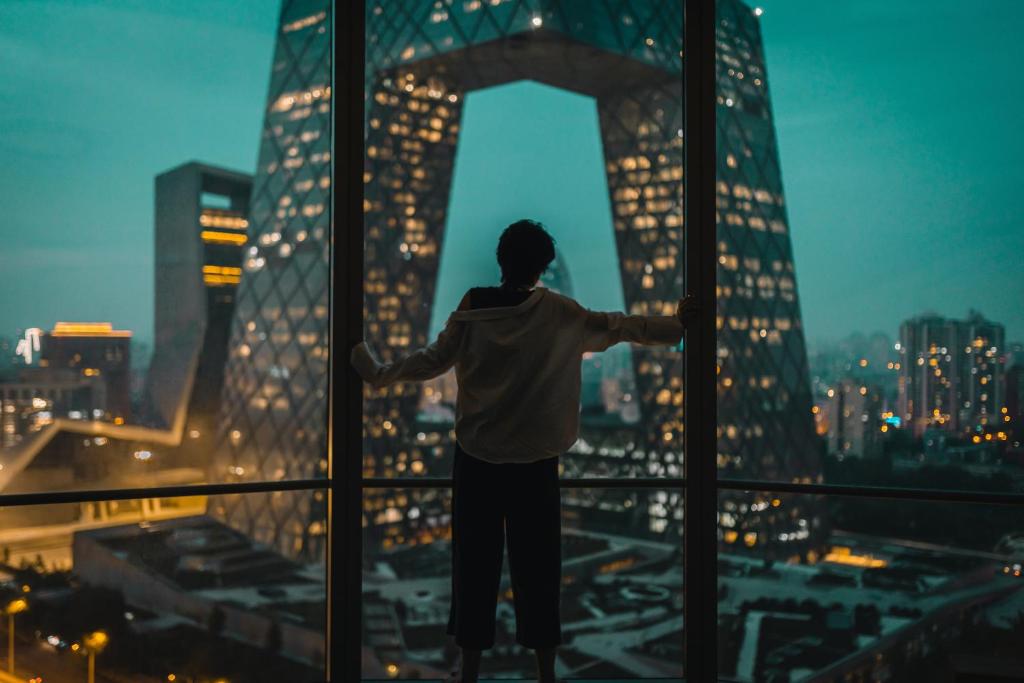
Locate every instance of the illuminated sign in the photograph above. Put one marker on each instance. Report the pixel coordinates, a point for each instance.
(29, 344)
(63, 329)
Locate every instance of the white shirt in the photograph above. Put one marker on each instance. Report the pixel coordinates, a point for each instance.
(518, 370)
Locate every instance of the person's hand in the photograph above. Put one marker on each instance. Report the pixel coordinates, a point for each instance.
(365, 363)
(686, 309)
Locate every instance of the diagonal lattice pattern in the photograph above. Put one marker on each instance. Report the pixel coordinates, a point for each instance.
(765, 426)
(275, 392)
(626, 56)
(422, 60)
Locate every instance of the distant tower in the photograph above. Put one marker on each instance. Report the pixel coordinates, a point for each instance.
(853, 414)
(201, 220)
(557, 277)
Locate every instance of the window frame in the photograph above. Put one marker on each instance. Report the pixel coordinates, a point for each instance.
(700, 485)
(345, 484)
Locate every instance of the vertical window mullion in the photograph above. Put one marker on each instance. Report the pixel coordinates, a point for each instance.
(344, 617)
(699, 537)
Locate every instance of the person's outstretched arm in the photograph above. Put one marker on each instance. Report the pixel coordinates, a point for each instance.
(604, 330)
(423, 364)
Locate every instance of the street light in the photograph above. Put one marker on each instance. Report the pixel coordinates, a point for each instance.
(13, 607)
(95, 642)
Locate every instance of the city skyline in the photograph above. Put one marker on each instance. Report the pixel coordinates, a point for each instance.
(121, 140)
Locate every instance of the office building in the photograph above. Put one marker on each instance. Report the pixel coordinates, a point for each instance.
(201, 219)
(93, 350)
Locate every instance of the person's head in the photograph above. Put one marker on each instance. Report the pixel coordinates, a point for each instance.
(525, 250)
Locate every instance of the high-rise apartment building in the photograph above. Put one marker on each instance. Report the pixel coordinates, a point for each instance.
(853, 413)
(952, 373)
(420, 68)
(201, 219)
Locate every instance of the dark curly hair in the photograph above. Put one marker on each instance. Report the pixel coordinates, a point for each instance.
(525, 250)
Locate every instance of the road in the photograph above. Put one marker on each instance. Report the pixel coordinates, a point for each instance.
(33, 658)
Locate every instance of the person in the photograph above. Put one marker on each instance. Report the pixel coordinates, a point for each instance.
(517, 351)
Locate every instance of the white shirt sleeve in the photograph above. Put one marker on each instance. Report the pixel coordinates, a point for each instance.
(423, 364)
(603, 330)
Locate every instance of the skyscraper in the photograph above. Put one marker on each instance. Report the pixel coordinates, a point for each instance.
(421, 66)
(417, 82)
(422, 61)
(201, 218)
(557, 276)
(274, 413)
(765, 424)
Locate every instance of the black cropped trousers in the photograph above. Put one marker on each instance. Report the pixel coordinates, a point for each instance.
(492, 504)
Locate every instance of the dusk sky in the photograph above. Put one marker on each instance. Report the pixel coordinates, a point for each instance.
(898, 128)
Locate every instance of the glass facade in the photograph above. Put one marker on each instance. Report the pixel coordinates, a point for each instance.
(274, 422)
(765, 427)
(886, 375)
(421, 64)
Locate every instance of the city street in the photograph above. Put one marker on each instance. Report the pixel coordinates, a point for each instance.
(33, 658)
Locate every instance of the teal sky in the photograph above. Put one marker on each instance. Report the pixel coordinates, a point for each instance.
(897, 121)
(902, 156)
(543, 161)
(96, 98)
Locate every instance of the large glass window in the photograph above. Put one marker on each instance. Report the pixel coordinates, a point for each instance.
(576, 121)
(891, 367)
(157, 589)
(164, 319)
(174, 332)
(166, 306)
(622, 583)
(479, 114)
(895, 361)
